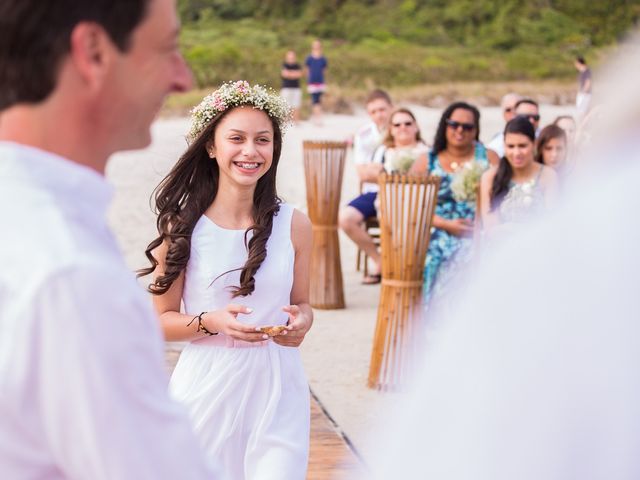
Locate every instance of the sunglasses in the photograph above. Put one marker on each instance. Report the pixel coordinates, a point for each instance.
(533, 117)
(467, 127)
(406, 124)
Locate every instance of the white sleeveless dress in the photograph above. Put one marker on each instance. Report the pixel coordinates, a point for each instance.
(248, 402)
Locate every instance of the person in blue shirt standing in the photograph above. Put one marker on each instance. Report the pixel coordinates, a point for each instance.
(316, 63)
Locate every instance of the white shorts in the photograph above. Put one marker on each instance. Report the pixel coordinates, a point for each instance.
(583, 101)
(293, 96)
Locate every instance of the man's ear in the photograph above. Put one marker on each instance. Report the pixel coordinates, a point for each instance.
(91, 51)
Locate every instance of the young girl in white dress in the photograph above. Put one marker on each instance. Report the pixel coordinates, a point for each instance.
(238, 260)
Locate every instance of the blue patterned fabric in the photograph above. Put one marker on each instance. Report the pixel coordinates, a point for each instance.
(447, 252)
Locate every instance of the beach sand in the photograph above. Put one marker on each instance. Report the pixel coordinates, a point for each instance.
(336, 351)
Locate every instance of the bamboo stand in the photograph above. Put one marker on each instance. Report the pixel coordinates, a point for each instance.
(407, 205)
(323, 168)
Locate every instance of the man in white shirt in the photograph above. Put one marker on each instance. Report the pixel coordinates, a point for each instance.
(82, 381)
(508, 107)
(529, 108)
(366, 141)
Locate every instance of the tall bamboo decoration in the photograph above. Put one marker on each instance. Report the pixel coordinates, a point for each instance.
(323, 168)
(407, 205)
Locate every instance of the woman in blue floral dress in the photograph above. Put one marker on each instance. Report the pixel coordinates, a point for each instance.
(456, 143)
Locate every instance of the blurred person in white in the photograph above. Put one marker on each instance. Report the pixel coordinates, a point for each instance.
(568, 124)
(369, 137)
(83, 385)
(535, 376)
(508, 107)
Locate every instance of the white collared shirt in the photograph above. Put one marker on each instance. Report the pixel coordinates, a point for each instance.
(365, 143)
(83, 389)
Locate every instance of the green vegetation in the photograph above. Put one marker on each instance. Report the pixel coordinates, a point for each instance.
(393, 43)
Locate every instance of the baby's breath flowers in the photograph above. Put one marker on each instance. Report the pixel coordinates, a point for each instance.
(466, 181)
(236, 94)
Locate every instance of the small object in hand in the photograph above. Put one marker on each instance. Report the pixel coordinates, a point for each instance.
(274, 330)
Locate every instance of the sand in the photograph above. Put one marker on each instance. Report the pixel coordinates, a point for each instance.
(337, 349)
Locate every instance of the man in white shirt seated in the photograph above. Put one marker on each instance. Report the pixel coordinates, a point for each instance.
(83, 387)
(508, 107)
(352, 217)
(529, 109)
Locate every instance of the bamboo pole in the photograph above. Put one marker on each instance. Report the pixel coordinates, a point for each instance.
(407, 205)
(324, 168)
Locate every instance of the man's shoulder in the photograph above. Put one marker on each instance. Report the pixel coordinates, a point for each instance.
(47, 242)
(368, 131)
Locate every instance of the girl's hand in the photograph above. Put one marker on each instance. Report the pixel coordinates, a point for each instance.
(225, 321)
(297, 327)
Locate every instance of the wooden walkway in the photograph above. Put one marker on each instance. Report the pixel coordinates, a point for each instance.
(330, 456)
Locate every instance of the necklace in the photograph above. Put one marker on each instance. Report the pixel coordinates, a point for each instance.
(454, 165)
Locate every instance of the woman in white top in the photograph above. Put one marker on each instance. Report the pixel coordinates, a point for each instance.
(402, 145)
(238, 259)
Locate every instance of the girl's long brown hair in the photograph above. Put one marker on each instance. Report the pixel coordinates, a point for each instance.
(185, 194)
(547, 134)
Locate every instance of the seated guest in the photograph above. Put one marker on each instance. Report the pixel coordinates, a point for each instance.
(403, 146)
(519, 187)
(568, 124)
(352, 217)
(455, 144)
(551, 148)
(508, 107)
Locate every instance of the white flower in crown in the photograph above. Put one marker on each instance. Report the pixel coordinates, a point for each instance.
(237, 94)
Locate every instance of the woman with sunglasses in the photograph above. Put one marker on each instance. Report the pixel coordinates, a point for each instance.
(402, 146)
(456, 143)
(401, 149)
(519, 188)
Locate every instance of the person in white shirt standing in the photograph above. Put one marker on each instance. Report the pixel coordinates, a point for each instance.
(83, 389)
(366, 141)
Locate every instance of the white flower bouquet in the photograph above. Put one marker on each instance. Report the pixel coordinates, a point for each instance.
(400, 160)
(466, 181)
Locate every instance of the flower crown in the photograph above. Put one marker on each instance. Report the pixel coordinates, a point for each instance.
(236, 94)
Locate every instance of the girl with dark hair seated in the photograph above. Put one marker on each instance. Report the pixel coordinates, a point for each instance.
(519, 187)
(552, 148)
(456, 144)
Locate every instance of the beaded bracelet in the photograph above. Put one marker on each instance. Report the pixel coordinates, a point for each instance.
(201, 327)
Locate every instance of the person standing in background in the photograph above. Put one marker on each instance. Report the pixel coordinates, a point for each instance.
(583, 97)
(568, 124)
(316, 64)
(291, 73)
